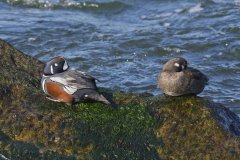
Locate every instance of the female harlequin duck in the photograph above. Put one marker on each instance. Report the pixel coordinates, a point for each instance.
(177, 79)
(62, 84)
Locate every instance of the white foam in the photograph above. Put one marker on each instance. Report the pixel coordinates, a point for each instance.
(53, 3)
(166, 24)
(166, 14)
(32, 39)
(196, 8)
(156, 16)
(178, 10)
(237, 2)
(177, 50)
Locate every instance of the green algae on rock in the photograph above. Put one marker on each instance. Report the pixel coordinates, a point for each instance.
(190, 128)
(142, 127)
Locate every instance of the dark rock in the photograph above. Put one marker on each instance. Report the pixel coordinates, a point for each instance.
(227, 119)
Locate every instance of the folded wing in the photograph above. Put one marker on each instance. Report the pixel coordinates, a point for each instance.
(73, 80)
(196, 74)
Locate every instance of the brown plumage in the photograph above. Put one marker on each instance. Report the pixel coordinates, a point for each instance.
(177, 79)
(55, 90)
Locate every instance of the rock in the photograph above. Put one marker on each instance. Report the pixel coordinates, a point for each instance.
(142, 127)
(195, 128)
(227, 119)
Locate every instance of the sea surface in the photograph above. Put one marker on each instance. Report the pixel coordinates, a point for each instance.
(124, 43)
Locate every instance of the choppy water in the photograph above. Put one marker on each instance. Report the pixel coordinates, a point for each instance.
(124, 43)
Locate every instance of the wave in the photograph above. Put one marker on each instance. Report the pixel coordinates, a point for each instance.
(69, 4)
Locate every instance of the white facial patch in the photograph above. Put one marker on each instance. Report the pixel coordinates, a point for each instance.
(55, 64)
(176, 64)
(51, 69)
(65, 66)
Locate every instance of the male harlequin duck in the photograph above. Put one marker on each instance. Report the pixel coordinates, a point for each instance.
(63, 84)
(177, 79)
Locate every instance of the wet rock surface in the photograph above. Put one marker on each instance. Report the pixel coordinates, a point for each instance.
(141, 127)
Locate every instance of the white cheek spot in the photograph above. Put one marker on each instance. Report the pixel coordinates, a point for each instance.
(176, 64)
(65, 66)
(85, 95)
(55, 64)
(51, 69)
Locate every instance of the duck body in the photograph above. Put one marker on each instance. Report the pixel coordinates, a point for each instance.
(176, 79)
(69, 85)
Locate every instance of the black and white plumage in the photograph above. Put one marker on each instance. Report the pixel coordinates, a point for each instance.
(177, 79)
(63, 84)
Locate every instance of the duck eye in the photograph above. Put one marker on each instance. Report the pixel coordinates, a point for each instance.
(55, 64)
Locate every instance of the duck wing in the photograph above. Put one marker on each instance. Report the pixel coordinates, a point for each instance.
(74, 80)
(196, 74)
(82, 79)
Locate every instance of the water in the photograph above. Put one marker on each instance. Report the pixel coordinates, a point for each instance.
(124, 43)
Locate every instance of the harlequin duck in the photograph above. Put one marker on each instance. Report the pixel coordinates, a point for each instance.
(63, 84)
(177, 79)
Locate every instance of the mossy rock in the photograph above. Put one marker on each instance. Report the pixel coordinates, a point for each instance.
(193, 128)
(140, 127)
